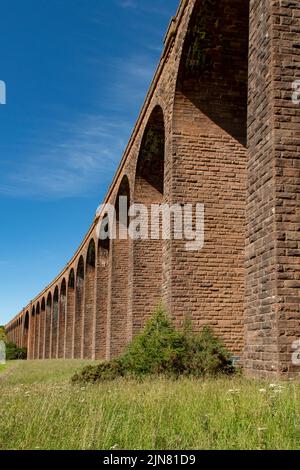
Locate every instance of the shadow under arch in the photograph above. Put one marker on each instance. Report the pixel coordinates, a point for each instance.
(21, 331)
(32, 334)
(79, 309)
(213, 71)
(148, 253)
(48, 326)
(55, 320)
(102, 295)
(70, 315)
(26, 331)
(62, 319)
(89, 300)
(37, 331)
(119, 296)
(209, 166)
(42, 329)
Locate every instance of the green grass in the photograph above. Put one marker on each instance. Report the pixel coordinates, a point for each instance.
(2, 367)
(40, 409)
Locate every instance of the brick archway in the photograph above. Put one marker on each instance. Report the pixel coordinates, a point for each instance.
(55, 320)
(89, 300)
(37, 331)
(62, 319)
(148, 190)
(209, 167)
(102, 295)
(70, 316)
(42, 329)
(32, 326)
(79, 308)
(119, 309)
(26, 331)
(48, 326)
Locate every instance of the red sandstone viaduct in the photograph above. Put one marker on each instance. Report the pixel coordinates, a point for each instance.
(219, 127)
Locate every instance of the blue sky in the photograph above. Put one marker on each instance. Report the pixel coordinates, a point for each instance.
(76, 72)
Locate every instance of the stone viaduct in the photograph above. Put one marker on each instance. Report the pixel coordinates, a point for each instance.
(218, 126)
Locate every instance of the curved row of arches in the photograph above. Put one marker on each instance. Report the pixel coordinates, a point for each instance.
(89, 312)
(188, 147)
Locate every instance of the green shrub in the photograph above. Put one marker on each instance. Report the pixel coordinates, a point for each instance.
(13, 352)
(158, 349)
(2, 334)
(104, 371)
(161, 349)
(205, 354)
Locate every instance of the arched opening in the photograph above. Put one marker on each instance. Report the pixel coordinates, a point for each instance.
(89, 300)
(119, 302)
(62, 319)
(79, 309)
(209, 165)
(26, 331)
(16, 332)
(21, 332)
(42, 329)
(32, 335)
(213, 73)
(55, 319)
(37, 331)
(70, 317)
(48, 325)
(147, 252)
(100, 339)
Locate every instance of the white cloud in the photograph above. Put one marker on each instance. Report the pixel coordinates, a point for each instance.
(72, 166)
(155, 7)
(128, 3)
(77, 157)
(131, 78)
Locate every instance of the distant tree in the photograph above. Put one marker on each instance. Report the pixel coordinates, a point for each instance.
(2, 334)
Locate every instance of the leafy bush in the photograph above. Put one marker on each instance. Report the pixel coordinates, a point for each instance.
(161, 349)
(2, 334)
(158, 349)
(205, 354)
(104, 371)
(13, 352)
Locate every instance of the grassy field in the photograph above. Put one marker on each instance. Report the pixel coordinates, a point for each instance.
(40, 409)
(2, 367)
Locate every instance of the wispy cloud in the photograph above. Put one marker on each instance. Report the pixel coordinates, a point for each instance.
(73, 165)
(83, 153)
(131, 78)
(155, 7)
(128, 3)
(74, 158)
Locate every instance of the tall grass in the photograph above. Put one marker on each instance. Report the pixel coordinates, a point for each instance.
(2, 367)
(40, 409)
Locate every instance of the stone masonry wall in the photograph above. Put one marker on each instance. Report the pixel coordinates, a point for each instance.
(219, 128)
